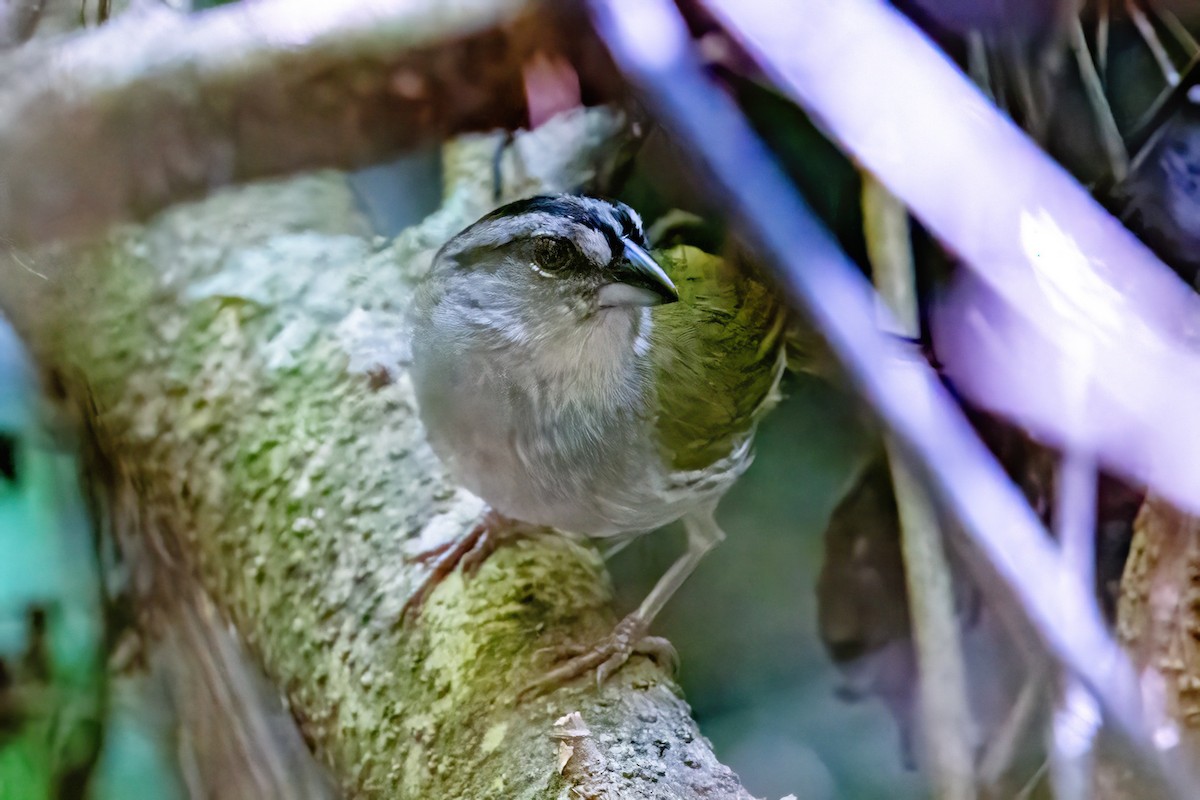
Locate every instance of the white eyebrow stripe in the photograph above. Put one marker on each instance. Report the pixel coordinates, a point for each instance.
(612, 213)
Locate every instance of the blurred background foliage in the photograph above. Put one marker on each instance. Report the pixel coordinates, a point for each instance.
(755, 667)
(52, 687)
(68, 729)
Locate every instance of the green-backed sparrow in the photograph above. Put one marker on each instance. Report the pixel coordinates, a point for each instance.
(573, 381)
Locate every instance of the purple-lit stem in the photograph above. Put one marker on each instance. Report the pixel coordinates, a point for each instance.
(1076, 717)
(1075, 514)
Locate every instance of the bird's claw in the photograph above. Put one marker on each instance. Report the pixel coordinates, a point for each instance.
(605, 657)
(469, 552)
(431, 555)
(661, 650)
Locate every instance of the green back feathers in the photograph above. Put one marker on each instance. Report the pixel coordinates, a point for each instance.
(716, 356)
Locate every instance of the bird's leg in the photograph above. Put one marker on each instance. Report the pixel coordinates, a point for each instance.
(468, 551)
(629, 637)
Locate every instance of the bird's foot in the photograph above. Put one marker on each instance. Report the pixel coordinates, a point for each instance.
(605, 656)
(468, 551)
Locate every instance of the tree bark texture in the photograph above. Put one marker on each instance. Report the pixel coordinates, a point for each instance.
(1159, 627)
(1158, 619)
(248, 359)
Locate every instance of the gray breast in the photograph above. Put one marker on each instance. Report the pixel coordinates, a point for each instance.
(515, 440)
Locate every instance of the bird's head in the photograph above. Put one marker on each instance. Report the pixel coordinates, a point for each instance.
(552, 261)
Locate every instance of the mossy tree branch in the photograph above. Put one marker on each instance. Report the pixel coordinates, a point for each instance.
(248, 357)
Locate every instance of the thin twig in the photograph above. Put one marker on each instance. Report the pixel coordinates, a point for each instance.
(1153, 43)
(977, 64)
(1177, 28)
(1004, 742)
(946, 721)
(1093, 87)
(889, 249)
(1103, 15)
(1032, 784)
(947, 725)
(1169, 101)
(1035, 119)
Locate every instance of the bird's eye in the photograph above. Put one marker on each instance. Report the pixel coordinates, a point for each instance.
(553, 254)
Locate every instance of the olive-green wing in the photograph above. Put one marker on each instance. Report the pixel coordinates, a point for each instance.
(716, 356)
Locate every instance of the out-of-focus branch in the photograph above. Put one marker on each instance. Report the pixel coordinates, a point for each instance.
(1053, 275)
(156, 106)
(1013, 559)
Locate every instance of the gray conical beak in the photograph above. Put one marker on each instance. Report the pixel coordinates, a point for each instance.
(640, 281)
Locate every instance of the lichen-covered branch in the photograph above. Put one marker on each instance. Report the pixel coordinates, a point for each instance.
(248, 358)
(156, 106)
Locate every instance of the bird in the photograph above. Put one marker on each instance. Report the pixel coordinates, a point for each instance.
(575, 381)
